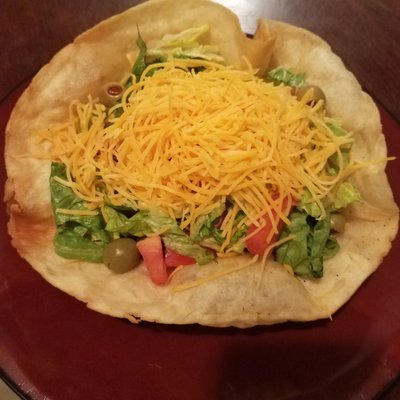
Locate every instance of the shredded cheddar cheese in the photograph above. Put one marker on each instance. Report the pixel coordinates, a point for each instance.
(188, 141)
(215, 275)
(76, 212)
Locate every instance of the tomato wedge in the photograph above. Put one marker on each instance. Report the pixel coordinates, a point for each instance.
(152, 252)
(174, 259)
(258, 243)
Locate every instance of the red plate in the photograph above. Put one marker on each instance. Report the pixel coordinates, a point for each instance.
(53, 347)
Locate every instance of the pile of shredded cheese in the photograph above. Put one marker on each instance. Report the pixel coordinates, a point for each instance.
(188, 141)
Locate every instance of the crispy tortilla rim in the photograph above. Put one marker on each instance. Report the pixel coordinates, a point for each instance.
(248, 296)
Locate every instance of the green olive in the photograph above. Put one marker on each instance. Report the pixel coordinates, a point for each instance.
(317, 93)
(110, 93)
(338, 221)
(121, 255)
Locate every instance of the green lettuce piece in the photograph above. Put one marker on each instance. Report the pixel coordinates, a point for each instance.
(147, 222)
(143, 223)
(117, 222)
(242, 230)
(207, 234)
(137, 69)
(311, 245)
(140, 63)
(204, 226)
(185, 44)
(77, 237)
(181, 45)
(185, 39)
(345, 195)
(70, 244)
(308, 206)
(282, 75)
(178, 241)
(337, 129)
(332, 165)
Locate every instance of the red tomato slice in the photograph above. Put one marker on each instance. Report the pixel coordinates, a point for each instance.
(153, 256)
(174, 259)
(258, 243)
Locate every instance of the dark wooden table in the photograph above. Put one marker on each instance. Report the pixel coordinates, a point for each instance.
(364, 33)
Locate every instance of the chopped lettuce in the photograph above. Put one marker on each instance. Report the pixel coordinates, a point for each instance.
(70, 244)
(77, 237)
(185, 44)
(140, 64)
(85, 237)
(344, 195)
(178, 241)
(141, 224)
(204, 227)
(206, 232)
(311, 245)
(337, 129)
(137, 69)
(145, 223)
(281, 75)
(332, 165)
(240, 231)
(181, 45)
(308, 206)
(313, 241)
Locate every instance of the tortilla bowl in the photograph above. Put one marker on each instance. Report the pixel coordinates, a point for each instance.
(249, 296)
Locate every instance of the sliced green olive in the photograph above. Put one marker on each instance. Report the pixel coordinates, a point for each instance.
(316, 95)
(338, 221)
(121, 255)
(110, 93)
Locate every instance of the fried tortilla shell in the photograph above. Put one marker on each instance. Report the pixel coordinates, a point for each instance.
(249, 296)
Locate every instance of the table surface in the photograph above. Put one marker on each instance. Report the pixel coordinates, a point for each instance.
(364, 33)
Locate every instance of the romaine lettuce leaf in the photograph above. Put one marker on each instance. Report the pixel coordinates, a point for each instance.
(311, 245)
(344, 195)
(332, 165)
(206, 233)
(282, 75)
(178, 241)
(185, 44)
(140, 63)
(77, 237)
(181, 45)
(70, 244)
(148, 222)
(204, 227)
(308, 206)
